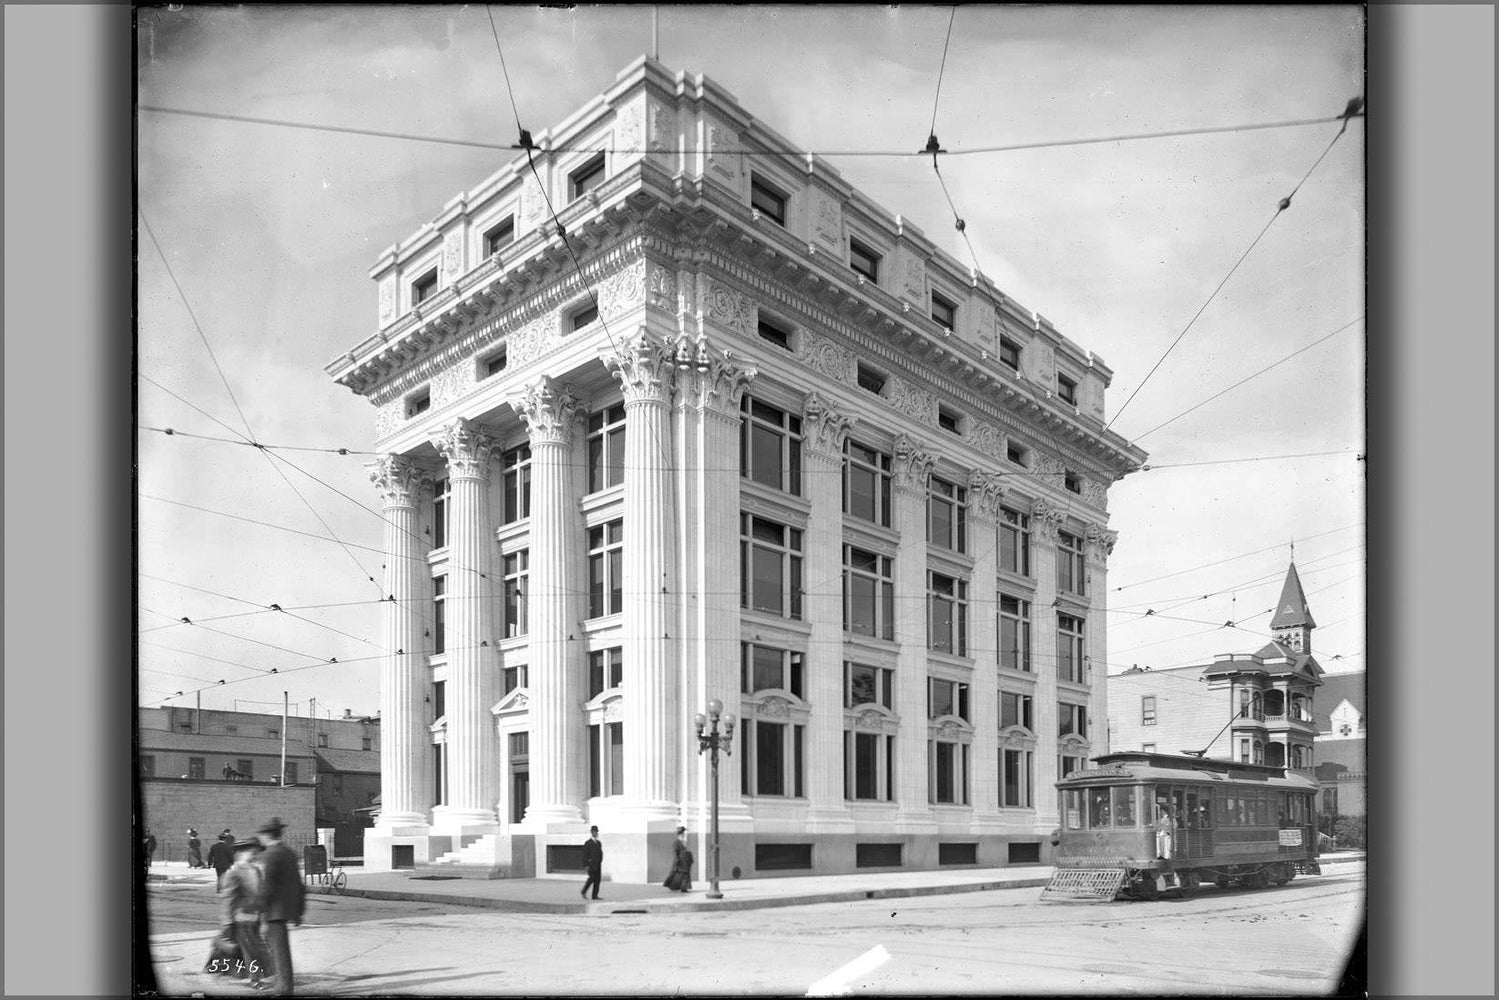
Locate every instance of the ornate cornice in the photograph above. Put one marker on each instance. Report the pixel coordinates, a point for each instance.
(824, 428)
(399, 480)
(645, 366)
(549, 411)
(467, 449)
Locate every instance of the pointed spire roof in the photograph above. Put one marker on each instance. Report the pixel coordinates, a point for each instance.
(1291, 611)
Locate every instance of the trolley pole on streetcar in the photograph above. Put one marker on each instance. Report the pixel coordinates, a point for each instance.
(710, 739)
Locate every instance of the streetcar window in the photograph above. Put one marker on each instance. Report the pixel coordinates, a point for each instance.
(1282, 818)
(1230, 811)
(1205, 808)
(1074, 807)
(1190, 819)
(1098, 808)
(1125, 812)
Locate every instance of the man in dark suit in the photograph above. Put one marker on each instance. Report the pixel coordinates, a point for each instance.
(593, 858)
(221, 855)
(282, 897)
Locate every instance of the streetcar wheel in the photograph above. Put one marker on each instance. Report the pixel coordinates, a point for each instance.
(1222, 881)
(1258, 880)
(339, 882)
(1187, 882)
(1146, 889)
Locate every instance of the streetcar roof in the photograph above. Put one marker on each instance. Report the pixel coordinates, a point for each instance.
(1134, 766)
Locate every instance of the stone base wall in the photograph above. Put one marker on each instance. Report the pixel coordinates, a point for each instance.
(173, 806)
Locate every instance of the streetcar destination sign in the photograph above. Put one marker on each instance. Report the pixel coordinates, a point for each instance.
(1100, 772)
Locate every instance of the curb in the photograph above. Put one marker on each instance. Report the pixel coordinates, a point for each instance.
(695, 906)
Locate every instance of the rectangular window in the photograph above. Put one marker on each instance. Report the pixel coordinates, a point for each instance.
(949, 772)
(494, 363)
(1015, 778)
(944, 311)
(776, 765)
(1015, 710)
(515, 479)
(439, 614)
(246, 767)
(866, 483)
(499, 236)
(606, 670)
(947, 515)
(1072, 720)
(1009, 353)
(583, 317)
(606, 448)
(946, 698)
(1071, 666)
(864, 260)
(441, 493)
(869, 380)
(868, 593)
(606, 549)
(877, 855)
(1147, 747)
(273, 734)
(516, 567)
(1014, 633)
(770, 562)
(195, 767)
(606, 759)
(770, 446)
(783, 857)
(1067, 389)
(957, 854)
(947, 614)
(770, 202)
(1147, 710)
(866, 685)
(862, 764)
(774, 333)
(1017, 454)
(587, 177)
(1067, 763)
(947, 420)
(1070, 564)
(366, 743)
(424, 288)
(439, 699)
(1014, 542)
(765, 668)
(1072, 482)
(512, 679)
(419, 403)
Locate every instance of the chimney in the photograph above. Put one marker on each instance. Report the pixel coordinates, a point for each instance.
(348, 713)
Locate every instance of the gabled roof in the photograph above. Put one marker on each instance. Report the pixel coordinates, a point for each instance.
(348, 761)
(1337, 688)
(1291, 610)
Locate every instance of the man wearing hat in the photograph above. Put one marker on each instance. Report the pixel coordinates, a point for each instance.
(593, 860)
(221, 855)
(281, 899)
(239, 896)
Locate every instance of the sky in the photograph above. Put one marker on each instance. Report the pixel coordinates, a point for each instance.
(267, 234)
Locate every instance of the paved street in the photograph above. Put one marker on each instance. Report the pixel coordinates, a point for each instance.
(1274, 941)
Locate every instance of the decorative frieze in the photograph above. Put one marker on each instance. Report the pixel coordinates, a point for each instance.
(452, 383)
(452, 256)
(550, 411)
(987, 438)
(828, 358)
(827, 221)
(729, 308)
(912, 278)
(629, 130)
(725, 165)
(387, 300)
(533, 340)
(645, 367)
(773, 708)
(532, 202)
(1095, 494)
(399, 480)
(389, 417)
(985, 323)
(824, 428)
(910, 400)
(662, 122)
(467, 449)
(622, 290)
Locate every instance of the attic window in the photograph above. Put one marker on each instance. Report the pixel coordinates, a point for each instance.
(1067, 389)
(587, 177)
(863, 260)
(493, 364)
(502, 235)
(584, 316)
(947, 419)
(424, 288)
(1009, 353)
(871, 380)
(768, 201)
(1072, 482)
(1017, 454)
(944, 311)
(774, 333)
(419, 403)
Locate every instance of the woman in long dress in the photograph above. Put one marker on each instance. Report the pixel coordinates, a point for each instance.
(680, 879)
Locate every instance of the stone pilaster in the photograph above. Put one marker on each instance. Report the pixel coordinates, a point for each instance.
(984, 496)
(1044, 523)
(406, 773)
(913, 466)
(558, 741)
(655, 719)
(823, 432)
(473, 785)
(1096, 643)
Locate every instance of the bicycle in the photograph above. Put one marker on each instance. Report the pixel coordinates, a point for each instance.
(330, 881)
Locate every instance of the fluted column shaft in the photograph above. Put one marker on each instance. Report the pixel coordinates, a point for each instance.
(472, 774)
(406, 777)
(558, 745)
(655, 719)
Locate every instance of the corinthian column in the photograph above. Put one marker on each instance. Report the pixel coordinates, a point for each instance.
(984, 496)
(824, 430)
(470, 690)
(406, 783)
(550, 413)
(655, 720)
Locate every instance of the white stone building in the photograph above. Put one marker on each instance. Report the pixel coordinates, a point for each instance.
(740, 434)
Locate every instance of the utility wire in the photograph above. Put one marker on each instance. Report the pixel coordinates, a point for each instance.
(205, 413)
(1280, 209)
(170, 431)
(261, 609)
(1262, 371)
(942, 68)
(1242, 555)
(765, 150)
(251, 520)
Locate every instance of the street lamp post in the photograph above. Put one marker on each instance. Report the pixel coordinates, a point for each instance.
(714, 742)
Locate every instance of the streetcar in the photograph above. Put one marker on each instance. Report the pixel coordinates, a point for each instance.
(1139, 824)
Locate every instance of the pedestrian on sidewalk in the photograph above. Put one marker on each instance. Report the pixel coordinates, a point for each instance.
(240, 950)
(680, 879)
(221, 855)
(593, 859)
(282, 899)
(148, 844)
(194, 850)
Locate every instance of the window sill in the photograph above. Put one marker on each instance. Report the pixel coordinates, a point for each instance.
(884, 652)
(603, 623)
(514, 536)
(868, 535)
(750, 619)
(951, 660)
(593, 503)
(1077, 603)
(952, 563)
(1028, 676)
(767, 501)
(1025, 586)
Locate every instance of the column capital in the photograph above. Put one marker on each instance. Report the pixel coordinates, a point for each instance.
(398, 479)
(645, 366)
(985, 494)
(913, 464)
(1045, 520)
(550, 411)
(824, 428)
(467, 449)
(713, 380)
(1101, 541)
